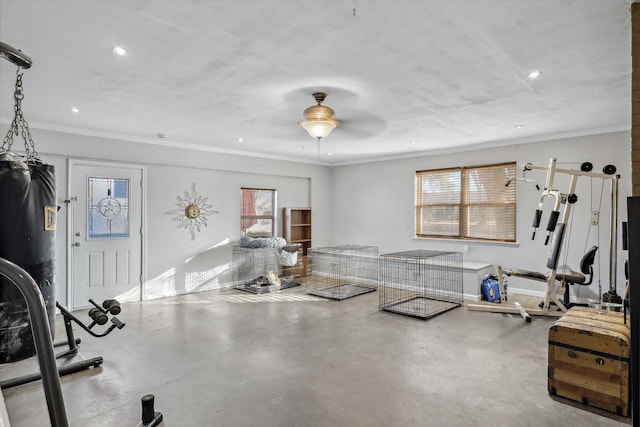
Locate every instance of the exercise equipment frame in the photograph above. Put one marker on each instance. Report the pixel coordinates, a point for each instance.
(567, 199)
(42, 339)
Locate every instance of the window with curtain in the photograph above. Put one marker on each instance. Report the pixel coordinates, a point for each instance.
(257, 207)
(477, 202)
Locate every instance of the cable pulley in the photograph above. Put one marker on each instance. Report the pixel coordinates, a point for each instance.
(586, 167)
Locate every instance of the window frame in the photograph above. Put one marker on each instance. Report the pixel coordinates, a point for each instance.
(464, 203)
(94, 203)
(244, 218)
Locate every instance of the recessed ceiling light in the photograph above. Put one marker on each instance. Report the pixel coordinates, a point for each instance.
(518, 126)
(120, 51)
(534, 74)
(329, 154)
(239, 139)
(74, 110)
(412, 142)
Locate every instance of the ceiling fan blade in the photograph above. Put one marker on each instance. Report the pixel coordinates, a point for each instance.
(362, 125)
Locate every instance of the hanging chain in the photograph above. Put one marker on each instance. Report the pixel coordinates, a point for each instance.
(19, 126)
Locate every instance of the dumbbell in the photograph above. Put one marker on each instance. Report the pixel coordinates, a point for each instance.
(112, 306)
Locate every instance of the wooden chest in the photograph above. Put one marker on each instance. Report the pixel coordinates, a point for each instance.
(589, 359)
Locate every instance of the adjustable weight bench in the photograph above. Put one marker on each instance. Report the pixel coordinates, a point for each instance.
(557, 282)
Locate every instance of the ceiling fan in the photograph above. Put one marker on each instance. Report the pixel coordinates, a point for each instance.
(320, 120)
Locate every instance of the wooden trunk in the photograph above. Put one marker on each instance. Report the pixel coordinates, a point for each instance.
(589, 359)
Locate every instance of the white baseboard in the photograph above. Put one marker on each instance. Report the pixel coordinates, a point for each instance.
(510, 292)
(471, 297)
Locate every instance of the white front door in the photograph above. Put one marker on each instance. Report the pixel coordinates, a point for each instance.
(106, 233)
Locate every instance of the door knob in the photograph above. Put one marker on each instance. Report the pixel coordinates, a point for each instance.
(77, 244)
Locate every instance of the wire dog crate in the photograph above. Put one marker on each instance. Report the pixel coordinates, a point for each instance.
(341, 272)
(262, 270)
(420, 283)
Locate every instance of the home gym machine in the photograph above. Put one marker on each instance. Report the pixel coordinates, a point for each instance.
(558, 279)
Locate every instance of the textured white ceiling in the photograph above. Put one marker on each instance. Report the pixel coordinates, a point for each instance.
(446, 74)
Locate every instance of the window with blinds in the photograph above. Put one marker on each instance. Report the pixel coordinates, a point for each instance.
(476, 202)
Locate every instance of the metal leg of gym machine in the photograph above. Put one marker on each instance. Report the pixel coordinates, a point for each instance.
(504, 306)
(68, 369)
(42, 340)
(71, 341)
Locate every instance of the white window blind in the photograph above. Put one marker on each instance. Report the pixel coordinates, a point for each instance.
(438, 202)
(467, 202)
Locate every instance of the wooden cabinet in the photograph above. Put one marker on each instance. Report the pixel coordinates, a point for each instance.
(297, 227)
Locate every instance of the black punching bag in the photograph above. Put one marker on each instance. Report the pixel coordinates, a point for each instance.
(27, 238)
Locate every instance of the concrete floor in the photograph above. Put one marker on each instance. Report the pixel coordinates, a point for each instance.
(229, 358)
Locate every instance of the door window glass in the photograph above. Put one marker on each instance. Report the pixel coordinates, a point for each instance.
(108, 207)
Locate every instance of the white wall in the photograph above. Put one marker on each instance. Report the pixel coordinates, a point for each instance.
(373, 204)
(363, 204)
(178, 270)
(174, 263)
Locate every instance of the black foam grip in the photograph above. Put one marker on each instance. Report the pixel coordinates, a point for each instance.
(117, 322)
(98, 316)
(626, 269)
(556, 243)
(553, 220)
(27, 238)
(148, 413)
(536, 218)
(625, 234)
(112, 306)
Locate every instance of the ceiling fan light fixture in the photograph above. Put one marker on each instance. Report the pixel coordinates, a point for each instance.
(320, 119)
(319, 128)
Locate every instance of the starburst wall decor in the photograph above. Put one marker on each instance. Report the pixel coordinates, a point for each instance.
(191, 212)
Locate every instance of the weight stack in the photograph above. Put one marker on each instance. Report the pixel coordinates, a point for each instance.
(27, 238)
